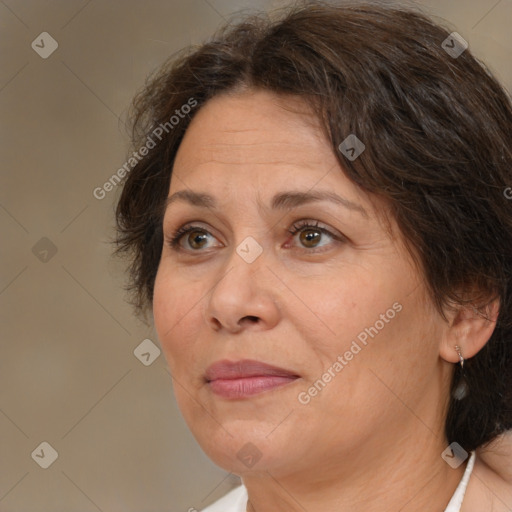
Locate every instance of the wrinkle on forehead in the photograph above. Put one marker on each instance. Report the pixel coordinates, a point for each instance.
(286, 153)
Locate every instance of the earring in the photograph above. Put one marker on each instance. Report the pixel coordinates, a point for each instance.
(461, 390)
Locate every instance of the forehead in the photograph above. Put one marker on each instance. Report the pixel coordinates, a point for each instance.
(258, 142)
(254, 127)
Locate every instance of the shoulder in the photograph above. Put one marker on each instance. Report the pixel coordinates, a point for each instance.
(497, 456)
(233, 501)
(490, 486)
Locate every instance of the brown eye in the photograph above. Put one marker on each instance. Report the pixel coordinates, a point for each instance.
(191, 238)
(197, 239)
(310, 237)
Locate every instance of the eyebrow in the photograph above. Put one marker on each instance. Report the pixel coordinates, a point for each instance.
(289, 199)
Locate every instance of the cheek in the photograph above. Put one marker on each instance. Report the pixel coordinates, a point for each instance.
(176, 314)
(335, 310)
(377, 314)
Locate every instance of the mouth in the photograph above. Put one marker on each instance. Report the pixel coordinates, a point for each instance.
(246, 378)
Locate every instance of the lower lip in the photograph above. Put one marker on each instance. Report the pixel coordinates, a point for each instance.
(248, 386)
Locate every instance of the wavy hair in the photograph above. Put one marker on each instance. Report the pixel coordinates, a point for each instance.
(438, 136)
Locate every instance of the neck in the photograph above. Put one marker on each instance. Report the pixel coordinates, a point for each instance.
(410, 476)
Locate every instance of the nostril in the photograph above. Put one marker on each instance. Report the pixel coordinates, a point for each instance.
(216, 324)
(251, 318)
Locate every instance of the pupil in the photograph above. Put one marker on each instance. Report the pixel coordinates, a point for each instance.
(194, 239)
(310, 237)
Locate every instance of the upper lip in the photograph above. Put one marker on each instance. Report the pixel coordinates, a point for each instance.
(244, 368)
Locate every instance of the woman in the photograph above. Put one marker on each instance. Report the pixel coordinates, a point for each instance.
(319, 228)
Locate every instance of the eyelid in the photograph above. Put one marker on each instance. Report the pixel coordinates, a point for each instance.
(310, 223)
(303, 224)
(177, 235)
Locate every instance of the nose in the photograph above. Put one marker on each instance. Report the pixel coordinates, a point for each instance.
(244, 297)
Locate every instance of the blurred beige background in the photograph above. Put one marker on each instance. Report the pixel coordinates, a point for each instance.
(69, 375)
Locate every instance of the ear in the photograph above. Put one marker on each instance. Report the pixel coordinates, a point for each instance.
(468, 328)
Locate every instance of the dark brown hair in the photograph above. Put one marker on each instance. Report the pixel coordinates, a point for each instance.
(438, 135)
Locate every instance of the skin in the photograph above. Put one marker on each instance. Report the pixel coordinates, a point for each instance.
(372, 439)
(490, 488)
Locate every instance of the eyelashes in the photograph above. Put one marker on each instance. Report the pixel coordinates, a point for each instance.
(313, 231)
(176, 237)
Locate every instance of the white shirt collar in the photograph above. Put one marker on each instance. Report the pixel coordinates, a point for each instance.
(458, 496)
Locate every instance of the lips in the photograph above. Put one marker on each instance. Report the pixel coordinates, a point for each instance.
(243, 369)
(243, 379)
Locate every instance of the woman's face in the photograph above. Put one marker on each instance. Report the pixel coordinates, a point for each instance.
(338, 304)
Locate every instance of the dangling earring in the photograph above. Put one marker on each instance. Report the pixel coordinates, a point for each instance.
(461, 390)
